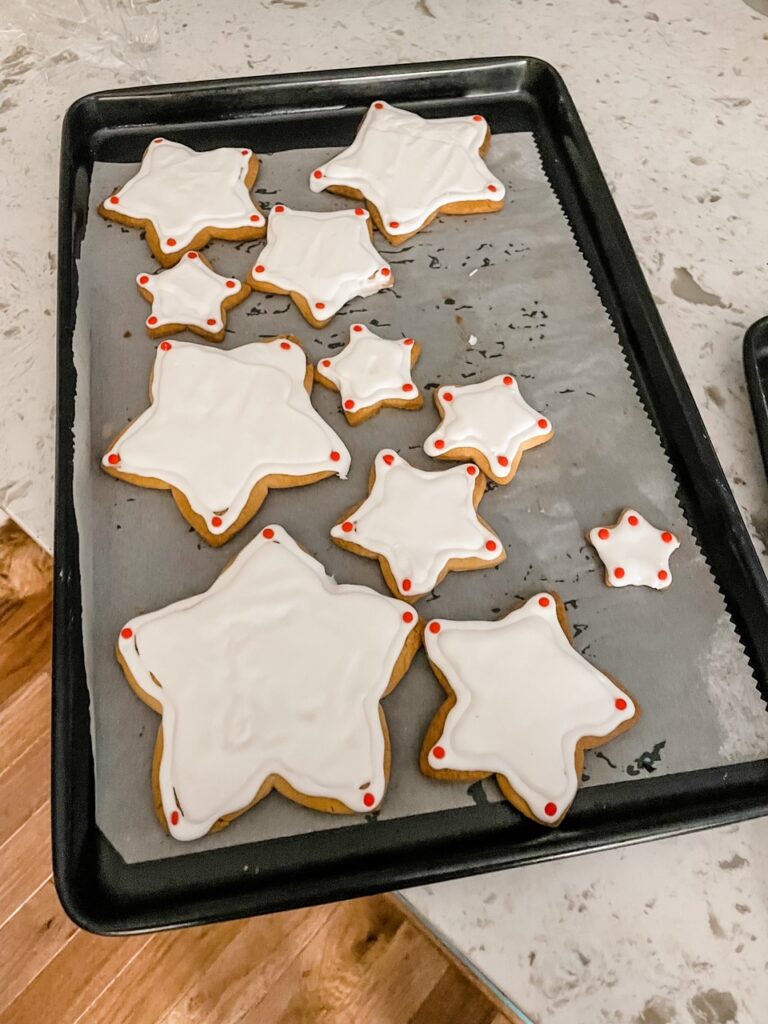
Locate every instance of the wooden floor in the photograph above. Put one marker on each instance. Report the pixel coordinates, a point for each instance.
(360, 961)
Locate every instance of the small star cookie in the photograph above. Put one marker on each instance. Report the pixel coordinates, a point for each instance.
(322, 260)
(372, 372)
(408, 169)
(190, 296)
(489, 423)
(183, 199)
(270, 679)
(225, 427)
(420, 525)
(523, 705)
(634, 553)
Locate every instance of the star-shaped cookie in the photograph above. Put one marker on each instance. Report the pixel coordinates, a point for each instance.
(223, 428)
(190, 297)
(322, 260)
(420, 525)
(408, 169)
(489, 423)
(183, 199)
(634, 553)
(271, 679)
(372, 372)
(523, 705)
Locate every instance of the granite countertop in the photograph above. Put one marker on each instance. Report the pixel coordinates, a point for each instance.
(673, 97)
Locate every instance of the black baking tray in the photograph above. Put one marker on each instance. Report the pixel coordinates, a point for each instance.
(97, 888)
(756, 372)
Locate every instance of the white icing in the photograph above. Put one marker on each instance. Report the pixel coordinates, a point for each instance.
(276, 669)
(419, 521)
(221, 421)
(328, 258)
(524, 699)
(638, 548)
(492, 418)
(371, 369)
(190, 293)
(409, 166)
(181, 192)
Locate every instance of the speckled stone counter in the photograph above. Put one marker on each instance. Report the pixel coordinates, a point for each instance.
(674, 98)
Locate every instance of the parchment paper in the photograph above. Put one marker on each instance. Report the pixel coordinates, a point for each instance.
(517, 283)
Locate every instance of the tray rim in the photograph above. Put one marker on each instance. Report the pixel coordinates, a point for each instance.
(742, 790)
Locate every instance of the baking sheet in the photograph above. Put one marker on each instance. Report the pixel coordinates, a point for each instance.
(516, 282)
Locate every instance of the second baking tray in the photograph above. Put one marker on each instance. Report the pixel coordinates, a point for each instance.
(108, 890)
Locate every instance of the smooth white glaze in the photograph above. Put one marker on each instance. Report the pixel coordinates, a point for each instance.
(276, 669)
(371, 369)
(419, 521)
(524, 699)
(181, 191)
(491, 417)
(190, 293)
(221, 421)
(409, 166)
(637, 548)
(328, 258)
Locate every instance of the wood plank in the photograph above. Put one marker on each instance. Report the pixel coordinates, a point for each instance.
(25, 861)
(23, 718)
(30, 940)
(454, 999)
(24, 786)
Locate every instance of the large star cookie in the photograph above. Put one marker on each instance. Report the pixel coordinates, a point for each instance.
(523, 706)
(409, 169)
(634, 553)
(420, 525)
(489, 423)
(183, 199)
(225, 427)
(190, 296)
(372, 372)
(322, 260)
(271, 679)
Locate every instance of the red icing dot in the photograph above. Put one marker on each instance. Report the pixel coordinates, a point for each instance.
(407, 387)
(408, 341)
(174, 817)
(151, 320)
(667, 537)
(406, 586)
(171, 242)
(544, 602)
(268, 533)
(407, 616)
(113, 459)
(478, 117)
(259, 268)
(114, 200)
(319, 305)
(349, 404)
(447, 397)
(379, 106)
(385, 271)
(438, 753)
(211, 322)
(144, 279)
(245, 152)
(360, 211)
(434, 627)
(509, 381)
(394, 223)
(621, 704)
(357, 327)
(285, 345)
(550, 809)
(490, 545)
(503, 460)
(347, 527)
(439, 444)
(335, 456)
(126, 633)
(369, 799)
(231, 284)
(216, 521)
(279, 208)
(472, 470)
(543, 424)
(633, 520)
(255, 218)
(618, 573)
(191, 255)
(325, 362)
(492, 188)
(317, 174)
(157, 141)
(165, 346)
(603, 534)
(389, 459)
(663, 574)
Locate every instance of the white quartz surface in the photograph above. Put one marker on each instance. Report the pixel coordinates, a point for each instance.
(673, 95)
